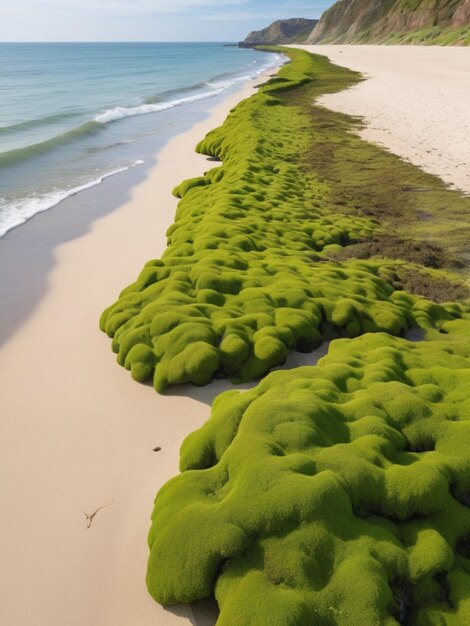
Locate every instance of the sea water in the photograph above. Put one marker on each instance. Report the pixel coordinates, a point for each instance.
(73, 114)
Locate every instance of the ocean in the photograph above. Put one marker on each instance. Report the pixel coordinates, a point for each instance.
(73, 114)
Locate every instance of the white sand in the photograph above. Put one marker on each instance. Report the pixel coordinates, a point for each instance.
(80, 436)
(416, 102)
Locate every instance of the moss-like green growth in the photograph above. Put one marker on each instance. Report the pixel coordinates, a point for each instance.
(335, 495)
(248, 275)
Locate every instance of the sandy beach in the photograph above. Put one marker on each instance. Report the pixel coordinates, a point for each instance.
(83, 437)
(414, 102)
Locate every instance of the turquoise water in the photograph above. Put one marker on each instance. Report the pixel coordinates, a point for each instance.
(74, 114)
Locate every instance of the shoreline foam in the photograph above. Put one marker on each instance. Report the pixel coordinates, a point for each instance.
(16, 210)
(50, 201)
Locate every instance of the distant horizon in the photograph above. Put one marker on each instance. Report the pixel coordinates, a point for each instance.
(146, 21)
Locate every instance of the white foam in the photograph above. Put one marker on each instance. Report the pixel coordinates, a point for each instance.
(217, 87)
(119, 113)
(16, 214)
(277, 61)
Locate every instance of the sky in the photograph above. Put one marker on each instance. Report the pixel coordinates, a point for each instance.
(146, 20)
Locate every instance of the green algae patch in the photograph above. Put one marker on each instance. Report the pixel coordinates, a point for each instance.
(247, 276)
(334, 495)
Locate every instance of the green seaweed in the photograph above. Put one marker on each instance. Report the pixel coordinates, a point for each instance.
(364, 179)
(248, 273)
(335, 495)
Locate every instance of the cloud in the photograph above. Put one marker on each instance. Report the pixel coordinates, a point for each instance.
(139, 7)
(121, 7)
(268, 17)
(242, 16)
(146, 20)
(224, 10)
(269, 13)
(173, 4)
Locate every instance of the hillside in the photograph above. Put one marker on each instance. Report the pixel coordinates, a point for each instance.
(395, 21)
(295, 30)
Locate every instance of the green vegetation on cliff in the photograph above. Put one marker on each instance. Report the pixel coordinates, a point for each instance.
(250, 270)
(437, 22)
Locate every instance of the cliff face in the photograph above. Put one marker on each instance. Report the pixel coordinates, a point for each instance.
(282, 32)
(461, 16)
(361, 21)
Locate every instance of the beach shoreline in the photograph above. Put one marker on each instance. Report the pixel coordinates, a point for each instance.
(62, 141)
(78, 433)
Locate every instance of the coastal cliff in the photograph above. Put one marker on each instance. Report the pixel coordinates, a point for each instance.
(295, 30)
(395, 21)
